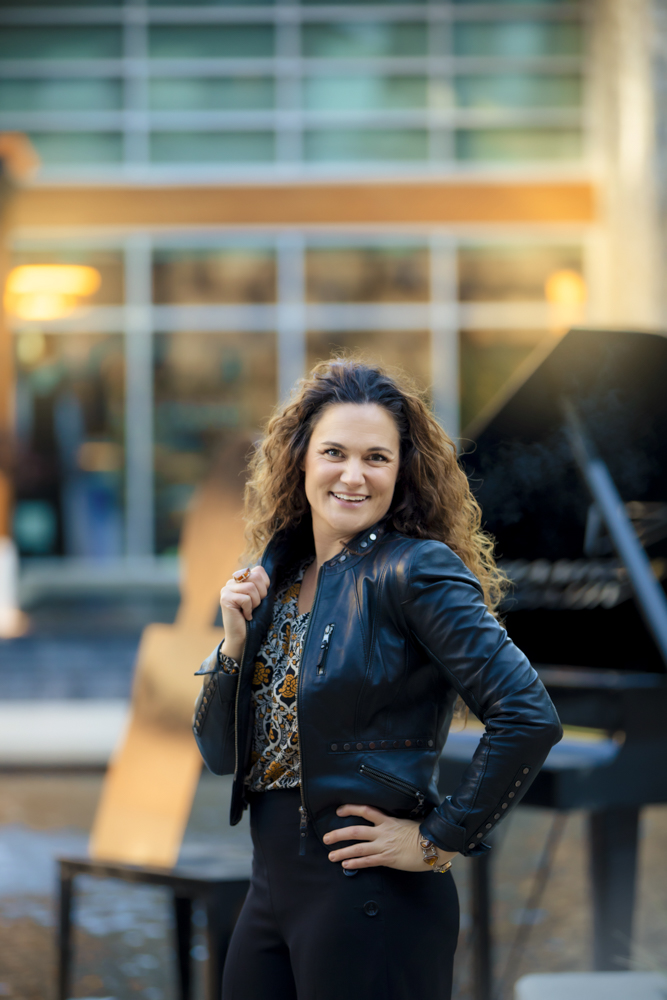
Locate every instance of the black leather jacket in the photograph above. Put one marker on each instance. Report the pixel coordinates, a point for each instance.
(398, 629)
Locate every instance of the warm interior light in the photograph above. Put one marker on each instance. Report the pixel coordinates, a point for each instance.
(48, 291)
(565, 288)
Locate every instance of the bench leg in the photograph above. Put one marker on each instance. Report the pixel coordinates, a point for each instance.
(613, 866)
(64, 936)
(183, 914)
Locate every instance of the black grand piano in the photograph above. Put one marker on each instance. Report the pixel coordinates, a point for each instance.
(570, 467)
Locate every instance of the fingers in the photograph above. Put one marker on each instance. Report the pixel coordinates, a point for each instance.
(353, 851)
(350, 833)
(366, 812)
(245, 595)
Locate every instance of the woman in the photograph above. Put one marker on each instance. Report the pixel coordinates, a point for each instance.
(332, 695)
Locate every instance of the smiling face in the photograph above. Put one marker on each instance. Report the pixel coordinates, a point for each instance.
(351, 467)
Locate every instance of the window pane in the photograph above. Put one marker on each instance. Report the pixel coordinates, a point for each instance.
(517, 38)
(69, 424)
(488, 359)
(212, 147)
(59, 3)
(214, 276)
(512, 273)
(407, 349)
(202, 93)
(78, 147)
(211, 41)
(368, 274)
(518, 91)
(355, 144)
(364, 39)
(518, 144)
(213, 391)
(108, 263)
(58, 42)
(60, 95)
(364, 92)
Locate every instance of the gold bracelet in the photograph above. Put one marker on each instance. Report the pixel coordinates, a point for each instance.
(430, 852)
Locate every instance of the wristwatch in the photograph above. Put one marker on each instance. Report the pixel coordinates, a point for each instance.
(430, 852)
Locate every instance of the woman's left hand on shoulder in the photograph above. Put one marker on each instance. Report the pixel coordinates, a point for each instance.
(390, 842)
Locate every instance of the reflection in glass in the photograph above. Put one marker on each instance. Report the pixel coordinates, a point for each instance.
(488, 358)
(60, 42)
(358, 40)
(367, 274)
(223, 93)
(517, 39)
(211, 390)
(361, 93)
(60, 95)
(212, 147)
(214, 276)
(512, 144)
(409, 350)
(78, 147)
(211, 3)
(69, 430)
(512, 273)
(366, 144)
(109, 264)
(211, 41)
(518, 90)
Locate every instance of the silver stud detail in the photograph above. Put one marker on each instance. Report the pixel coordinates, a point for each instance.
(511, 795)
(517, 784)
(497, 816)
(504, 805)
(372, 537)
(488, 826)
(480, 834)
(470, 847)
(526, 770)
(364, 544)
(342, 558)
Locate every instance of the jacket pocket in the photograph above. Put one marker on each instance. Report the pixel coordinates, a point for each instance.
(396, 784)
(324, 648)
(214, 723)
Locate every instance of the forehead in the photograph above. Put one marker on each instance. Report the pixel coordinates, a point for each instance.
(357, 423)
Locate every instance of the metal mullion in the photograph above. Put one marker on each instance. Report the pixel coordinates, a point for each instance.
(71, 121)
(289, 134)
(330, 317)
(214, 15)
(441, 145)
(36, 16)
(135, 85)
(139, 462)
(445, 332)
(365, 12)
(291, 312)
(236, 318)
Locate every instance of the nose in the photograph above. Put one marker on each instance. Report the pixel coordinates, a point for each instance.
(352, 474)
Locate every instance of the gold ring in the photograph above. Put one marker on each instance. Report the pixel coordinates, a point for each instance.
(241, 574)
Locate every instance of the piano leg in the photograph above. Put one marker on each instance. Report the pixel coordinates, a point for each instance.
(482, 963)
(613, 867)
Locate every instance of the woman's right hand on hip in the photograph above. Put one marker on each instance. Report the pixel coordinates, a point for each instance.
(238, 599)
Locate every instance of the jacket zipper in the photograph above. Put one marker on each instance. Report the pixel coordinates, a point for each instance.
(303, 811)
(397, 784)
(324, 648)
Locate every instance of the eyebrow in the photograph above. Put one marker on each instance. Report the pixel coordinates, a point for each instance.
(375, 447)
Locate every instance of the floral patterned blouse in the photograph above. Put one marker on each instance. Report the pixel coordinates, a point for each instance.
(274, 759)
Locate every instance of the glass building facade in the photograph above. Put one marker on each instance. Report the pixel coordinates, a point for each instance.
(125, 403)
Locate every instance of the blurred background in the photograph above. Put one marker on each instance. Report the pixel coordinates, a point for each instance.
(200, 200)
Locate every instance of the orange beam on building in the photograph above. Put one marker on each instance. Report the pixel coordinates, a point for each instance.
(385, 203)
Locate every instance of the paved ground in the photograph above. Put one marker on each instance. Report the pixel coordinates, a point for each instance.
(124, 934)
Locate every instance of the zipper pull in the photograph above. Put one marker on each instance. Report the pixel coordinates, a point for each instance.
(303, 830)
(324, 648)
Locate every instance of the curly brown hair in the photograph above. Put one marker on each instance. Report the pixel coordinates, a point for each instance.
(432, 498)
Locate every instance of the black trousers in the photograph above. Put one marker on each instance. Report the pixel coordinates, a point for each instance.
(308, 931)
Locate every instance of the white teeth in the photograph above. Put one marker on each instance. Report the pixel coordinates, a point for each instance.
(345, 496)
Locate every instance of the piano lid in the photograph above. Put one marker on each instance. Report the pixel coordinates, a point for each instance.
(520, 462)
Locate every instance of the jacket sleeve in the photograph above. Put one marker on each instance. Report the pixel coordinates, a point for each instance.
(446, 615)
